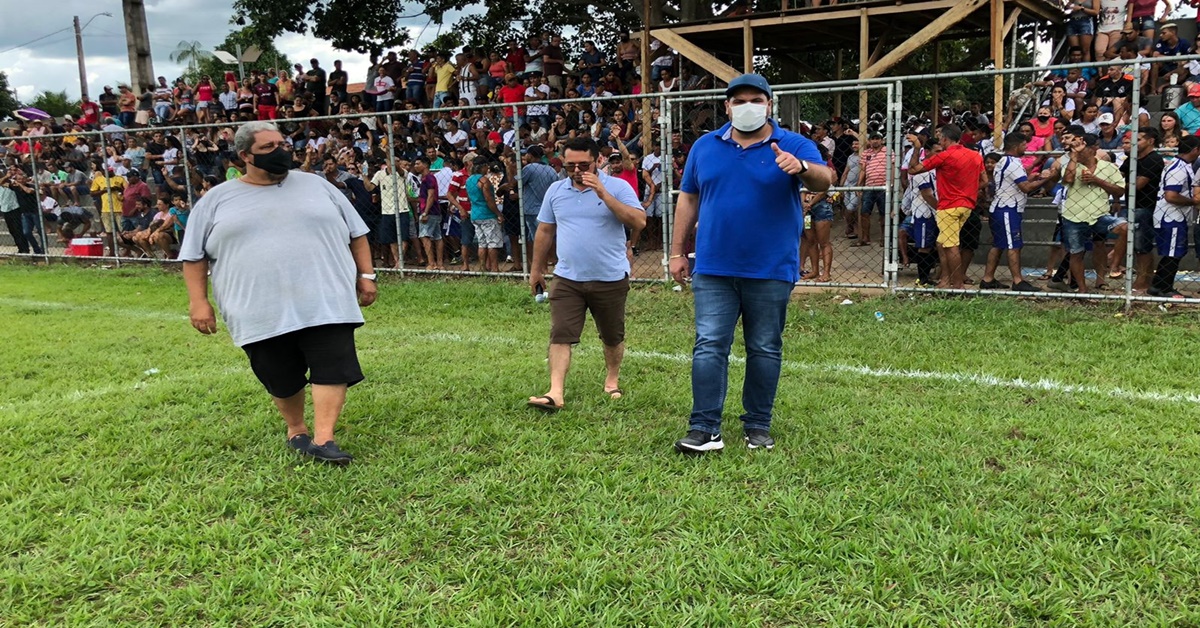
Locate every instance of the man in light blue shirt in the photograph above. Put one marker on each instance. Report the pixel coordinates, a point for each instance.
(585, 215)
(536, 178)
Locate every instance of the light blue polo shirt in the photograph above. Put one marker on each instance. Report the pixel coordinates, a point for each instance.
(750, 215)
(590, 239)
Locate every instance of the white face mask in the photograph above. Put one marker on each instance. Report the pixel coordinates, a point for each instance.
(749, 117)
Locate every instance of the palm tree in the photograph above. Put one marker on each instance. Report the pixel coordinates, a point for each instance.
(190, 52)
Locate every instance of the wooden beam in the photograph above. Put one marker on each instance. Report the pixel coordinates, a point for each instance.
(997, 48)
(929, 33)
(823, 16)
(696, 54)
(1042, 10)
(747, 47)
(864, 60)
(1012, 21)
(878, 49)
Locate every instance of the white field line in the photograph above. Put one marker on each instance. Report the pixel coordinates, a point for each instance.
(992, 381)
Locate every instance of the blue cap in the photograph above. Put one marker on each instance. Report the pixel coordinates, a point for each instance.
(749, 80)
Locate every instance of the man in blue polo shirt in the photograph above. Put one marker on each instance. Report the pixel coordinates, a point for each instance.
(584, 217)
(743, 183)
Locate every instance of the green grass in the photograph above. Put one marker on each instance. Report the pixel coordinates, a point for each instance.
(170, 498)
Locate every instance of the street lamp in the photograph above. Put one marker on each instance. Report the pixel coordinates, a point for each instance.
(83, 91)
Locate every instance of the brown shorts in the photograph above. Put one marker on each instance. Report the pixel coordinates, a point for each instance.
(569, 300)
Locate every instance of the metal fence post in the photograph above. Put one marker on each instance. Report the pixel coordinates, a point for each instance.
(668, 174)
(112, 234)
(391, 161)
(37, 194)
(186, 164)
(1131, 189)
(526, 260)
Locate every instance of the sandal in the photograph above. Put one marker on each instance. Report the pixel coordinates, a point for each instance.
(615, 393)
(545, 404)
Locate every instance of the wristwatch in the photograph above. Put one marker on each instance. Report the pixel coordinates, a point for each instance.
(370, 276)
(803, 166)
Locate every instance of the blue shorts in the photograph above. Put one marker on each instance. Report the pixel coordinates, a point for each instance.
(872, 199)
(386, 234)
(1077, 236)
(923, 232)
(1144, 24)
(822, 212)
(1080, 26)
(1006, 229)
(468, 231)
(1172, 238)
(451, 225)
(432, 228)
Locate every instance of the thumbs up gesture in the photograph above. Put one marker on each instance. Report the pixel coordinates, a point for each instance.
(787, 162)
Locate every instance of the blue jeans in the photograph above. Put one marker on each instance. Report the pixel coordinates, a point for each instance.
(872, 199)
(30, 224)
(762, 306)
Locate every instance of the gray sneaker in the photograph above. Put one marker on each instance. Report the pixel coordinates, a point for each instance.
(1058, 286)
(756, 439)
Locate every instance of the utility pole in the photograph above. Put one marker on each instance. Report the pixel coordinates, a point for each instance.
(83, 90)
(137, 42)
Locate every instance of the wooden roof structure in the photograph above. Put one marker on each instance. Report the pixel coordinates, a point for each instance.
(883, 32)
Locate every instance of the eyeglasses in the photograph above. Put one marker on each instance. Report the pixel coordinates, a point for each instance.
(573, 166)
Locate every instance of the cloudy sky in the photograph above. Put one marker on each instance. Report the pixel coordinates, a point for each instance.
(50, 62)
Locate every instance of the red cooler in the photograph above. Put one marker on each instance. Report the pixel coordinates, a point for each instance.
(86, 247)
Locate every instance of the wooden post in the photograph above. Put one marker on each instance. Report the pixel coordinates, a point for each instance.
(864, 56)
(747, 47)
(998, 58)
(837, 75)
(935, 105)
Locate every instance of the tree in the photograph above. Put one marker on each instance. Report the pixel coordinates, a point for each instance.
(8, 98)
(56, 104)
(244, 37)
(192, 53)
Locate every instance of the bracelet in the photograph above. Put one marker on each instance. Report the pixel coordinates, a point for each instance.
(676, 256)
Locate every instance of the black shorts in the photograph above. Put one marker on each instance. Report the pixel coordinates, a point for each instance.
(968, 236)
(322, 355)
(512, 220)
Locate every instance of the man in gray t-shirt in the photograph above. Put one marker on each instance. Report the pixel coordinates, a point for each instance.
(585, 217)
(290, 268)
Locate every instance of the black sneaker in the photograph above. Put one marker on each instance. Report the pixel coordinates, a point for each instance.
(1058, 285)
(992, 285)
(756, 439)
(329, 452)
(697, 442)
(1025, 286)
(301, 443)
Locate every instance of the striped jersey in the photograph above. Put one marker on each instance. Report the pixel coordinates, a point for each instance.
(925, 181)
(1178, 178)
(1008, 174)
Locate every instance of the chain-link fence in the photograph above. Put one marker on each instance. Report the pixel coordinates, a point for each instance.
(1096, 202)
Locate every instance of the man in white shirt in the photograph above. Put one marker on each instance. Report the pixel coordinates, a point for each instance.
(538, 90)
(384, 88)
(454, 135)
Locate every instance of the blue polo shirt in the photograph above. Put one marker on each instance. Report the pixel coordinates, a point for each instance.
(590, 239)
(750, 216)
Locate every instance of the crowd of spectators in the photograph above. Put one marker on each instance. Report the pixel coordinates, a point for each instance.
(457, 166)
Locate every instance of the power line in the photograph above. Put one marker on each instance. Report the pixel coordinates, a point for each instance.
(35, 40)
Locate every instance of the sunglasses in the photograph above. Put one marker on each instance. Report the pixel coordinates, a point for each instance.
(573, 166)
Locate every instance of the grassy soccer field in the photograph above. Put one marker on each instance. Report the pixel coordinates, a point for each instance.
(965, 462)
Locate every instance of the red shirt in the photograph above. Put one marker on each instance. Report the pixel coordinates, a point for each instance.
(458, 189)
(630, 177)
(511, 94)
(958, 173)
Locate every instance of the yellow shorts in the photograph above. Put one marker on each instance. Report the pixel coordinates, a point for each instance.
(950, 222)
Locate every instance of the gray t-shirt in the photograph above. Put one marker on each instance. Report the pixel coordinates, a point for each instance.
(280, 255)
(590, 239)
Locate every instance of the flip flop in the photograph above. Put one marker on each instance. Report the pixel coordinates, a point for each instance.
(545, 404)
(615, 393)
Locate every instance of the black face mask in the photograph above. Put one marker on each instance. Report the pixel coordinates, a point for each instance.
(1043, 118)
(278, 161)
